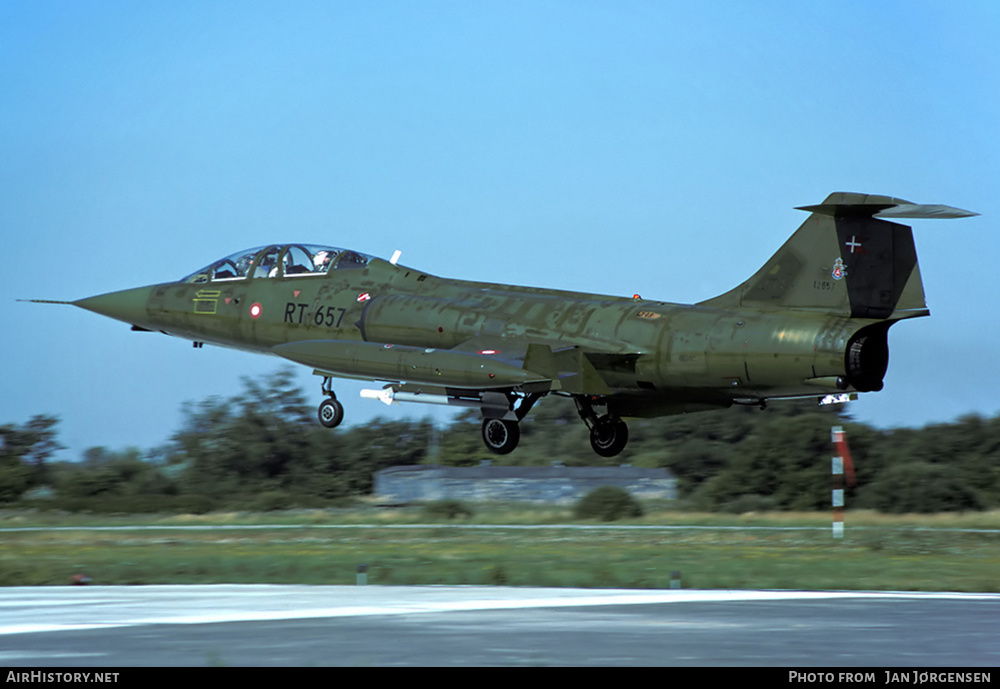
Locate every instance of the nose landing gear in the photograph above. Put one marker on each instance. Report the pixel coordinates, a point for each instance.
(331, 412)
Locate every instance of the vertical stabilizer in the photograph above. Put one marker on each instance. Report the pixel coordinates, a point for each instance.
(845, 260)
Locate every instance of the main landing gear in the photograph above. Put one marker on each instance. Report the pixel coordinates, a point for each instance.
(331, 411)
(503, 412)
(501, 435)
(608, 434)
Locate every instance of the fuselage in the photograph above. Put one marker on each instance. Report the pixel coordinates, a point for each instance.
(813, 321)
(654, 357)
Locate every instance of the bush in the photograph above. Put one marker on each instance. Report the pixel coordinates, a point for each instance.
(127, 504)
(269, 501)
(749, 503)
(447, 509)
(919, 487)
(608, 503)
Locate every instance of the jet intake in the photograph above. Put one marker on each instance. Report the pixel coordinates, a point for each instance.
(417, 321)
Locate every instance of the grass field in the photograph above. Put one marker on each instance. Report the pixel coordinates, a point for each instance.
(402, 546)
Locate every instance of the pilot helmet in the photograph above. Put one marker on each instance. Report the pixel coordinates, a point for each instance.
(322, 259)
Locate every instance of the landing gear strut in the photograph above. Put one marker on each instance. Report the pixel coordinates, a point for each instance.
(608, 434)
(331, 412)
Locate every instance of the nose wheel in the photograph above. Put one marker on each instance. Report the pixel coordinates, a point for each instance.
(331, 412)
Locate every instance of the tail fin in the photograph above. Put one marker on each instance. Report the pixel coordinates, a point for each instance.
(845, 260)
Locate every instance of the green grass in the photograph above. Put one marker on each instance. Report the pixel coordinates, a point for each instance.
(500, 513)
(877, 552)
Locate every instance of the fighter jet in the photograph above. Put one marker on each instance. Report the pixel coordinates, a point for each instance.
(812, 322)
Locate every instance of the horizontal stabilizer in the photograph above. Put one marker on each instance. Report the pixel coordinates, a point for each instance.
(913, 210)
(845, 204)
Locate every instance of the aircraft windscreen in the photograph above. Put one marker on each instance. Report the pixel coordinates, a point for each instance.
(288, 261)
(234, 267)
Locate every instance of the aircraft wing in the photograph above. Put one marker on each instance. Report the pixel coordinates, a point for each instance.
(571, 368)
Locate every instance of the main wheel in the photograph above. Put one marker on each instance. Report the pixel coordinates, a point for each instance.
(500, 435)
(331, 412)
(609, 436)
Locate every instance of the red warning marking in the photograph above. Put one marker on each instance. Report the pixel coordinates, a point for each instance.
(845, 453)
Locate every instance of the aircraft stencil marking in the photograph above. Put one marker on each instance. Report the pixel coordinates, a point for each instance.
(206, 301)
(327, 317)
(781, 334)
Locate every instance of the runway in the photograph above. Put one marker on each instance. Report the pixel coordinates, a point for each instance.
(265, 625)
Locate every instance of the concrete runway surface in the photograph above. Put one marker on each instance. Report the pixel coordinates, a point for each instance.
(271, 625)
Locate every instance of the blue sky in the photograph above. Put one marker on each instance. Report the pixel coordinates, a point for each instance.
(616, 147)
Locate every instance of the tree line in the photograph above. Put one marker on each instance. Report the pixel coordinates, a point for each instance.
(262, 449)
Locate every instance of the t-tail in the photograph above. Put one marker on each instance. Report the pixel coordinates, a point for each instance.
(845, 260)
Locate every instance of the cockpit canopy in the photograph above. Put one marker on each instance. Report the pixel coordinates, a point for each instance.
(279, 261)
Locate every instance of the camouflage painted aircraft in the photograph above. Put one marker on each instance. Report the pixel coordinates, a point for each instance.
(812, 322)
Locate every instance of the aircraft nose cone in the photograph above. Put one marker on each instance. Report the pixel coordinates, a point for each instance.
(127, 305)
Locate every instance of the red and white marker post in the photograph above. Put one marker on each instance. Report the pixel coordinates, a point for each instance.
(841, 467)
